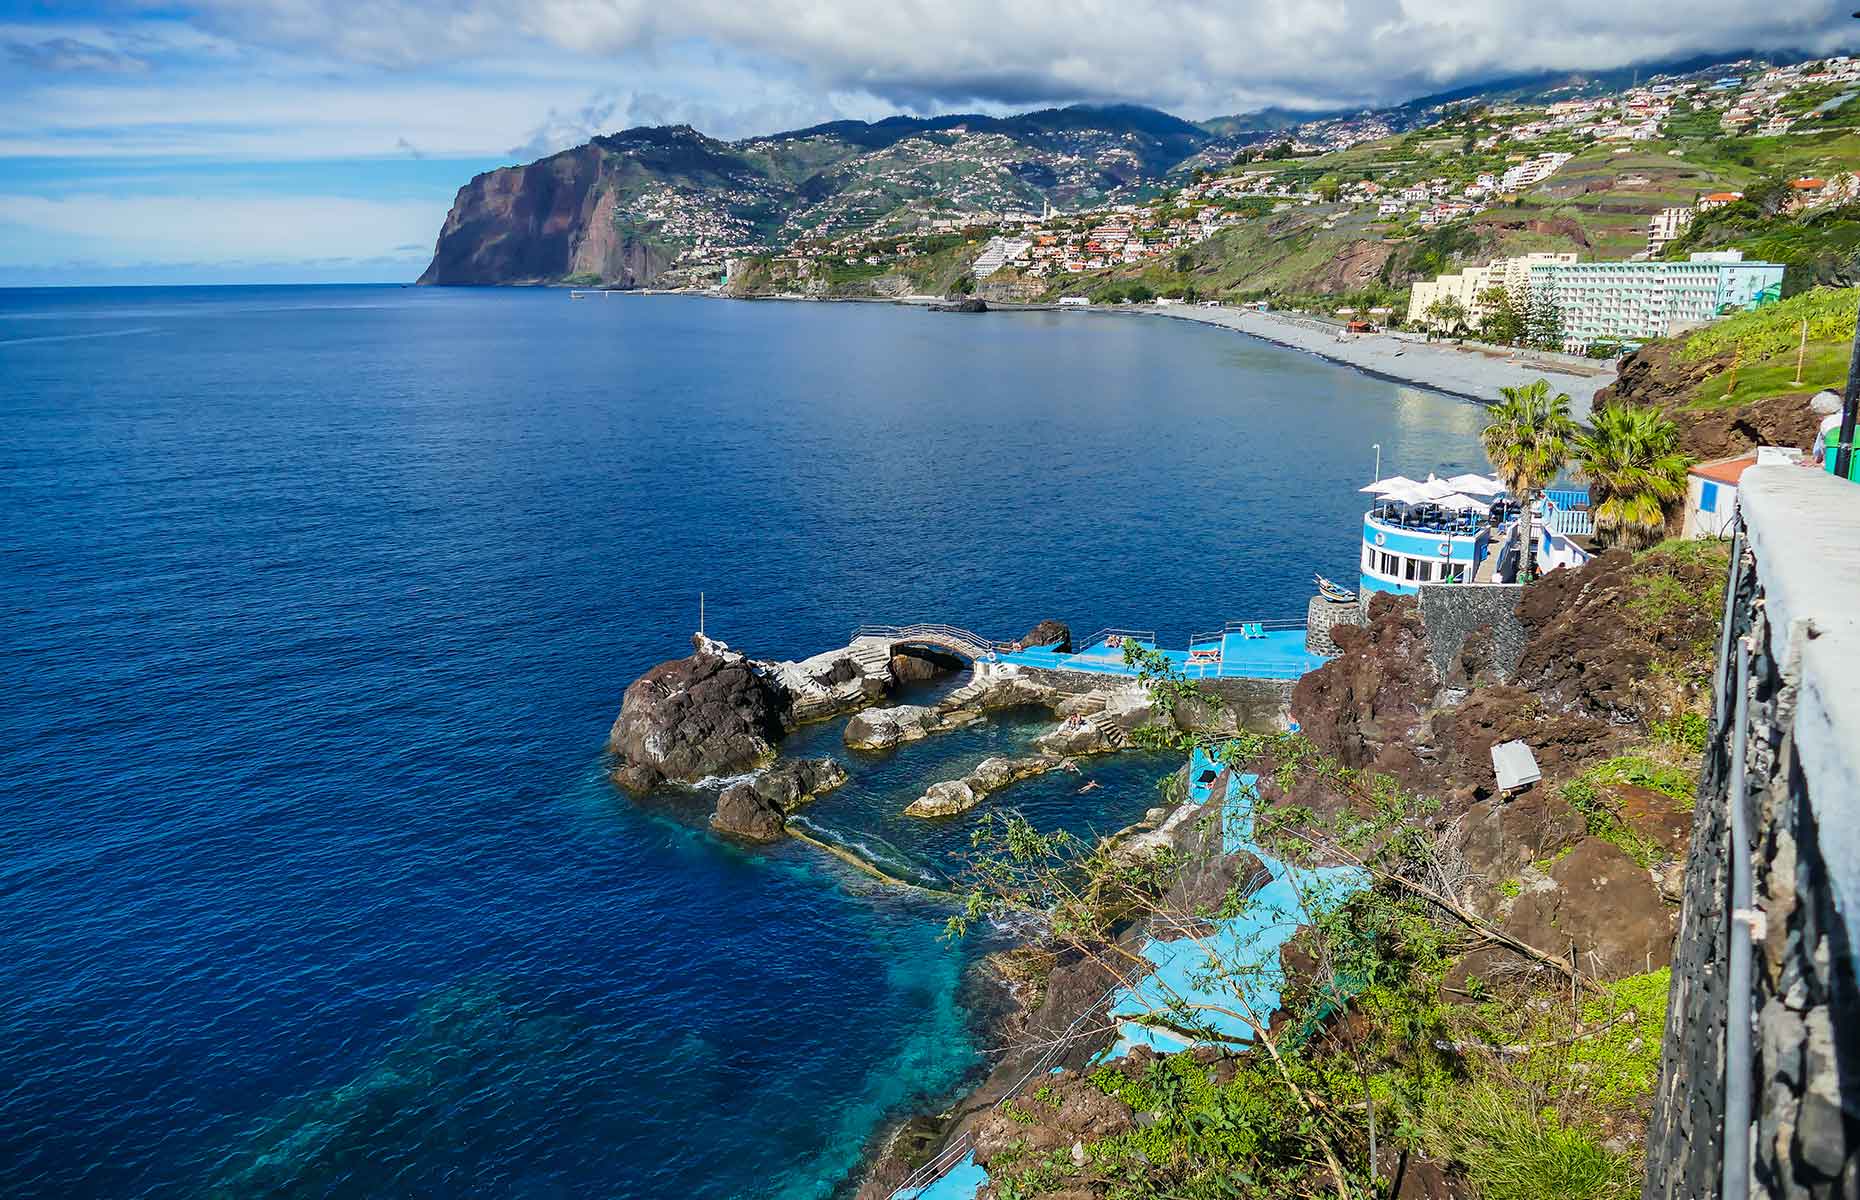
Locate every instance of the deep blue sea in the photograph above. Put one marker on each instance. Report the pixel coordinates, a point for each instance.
(316, 605)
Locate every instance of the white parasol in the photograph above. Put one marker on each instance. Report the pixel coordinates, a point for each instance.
(1391, 484)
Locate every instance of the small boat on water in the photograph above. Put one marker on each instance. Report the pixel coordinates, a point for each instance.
(1334, 592)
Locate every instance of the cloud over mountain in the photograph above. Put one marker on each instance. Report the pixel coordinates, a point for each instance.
(1198, 56)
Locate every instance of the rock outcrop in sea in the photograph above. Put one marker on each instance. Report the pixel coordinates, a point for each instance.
(713, 713)
(952, 796)
(757, 809)
(1054, 635)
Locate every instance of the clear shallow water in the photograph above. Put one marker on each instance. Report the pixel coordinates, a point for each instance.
(316, 605)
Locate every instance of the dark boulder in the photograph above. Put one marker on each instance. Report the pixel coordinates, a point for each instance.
(918, 665)
(743, 813)
(1055, 634)
(974, 304)
(684, 720)
(793, 782)
(1368, 706)
(756, 810)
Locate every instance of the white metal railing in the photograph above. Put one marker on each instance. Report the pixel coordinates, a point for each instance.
(1147, 636)
(948, 636)
(1274, 626)
(1570, 522)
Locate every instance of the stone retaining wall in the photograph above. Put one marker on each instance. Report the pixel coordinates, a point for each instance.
(1453, 612)
(1792, 606)
(1321, 616)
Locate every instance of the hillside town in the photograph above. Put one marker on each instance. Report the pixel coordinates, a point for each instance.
(1368, 174)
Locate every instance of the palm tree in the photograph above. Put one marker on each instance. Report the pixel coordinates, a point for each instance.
(1528, 442)
(1635, 468)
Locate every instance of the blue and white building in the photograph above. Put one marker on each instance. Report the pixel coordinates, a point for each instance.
(1640, 301)
(1462, 530)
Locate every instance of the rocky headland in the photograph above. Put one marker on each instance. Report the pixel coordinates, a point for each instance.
(717, 714)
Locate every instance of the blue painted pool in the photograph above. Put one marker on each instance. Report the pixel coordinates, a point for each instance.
(1273, 654)
(1203, 972)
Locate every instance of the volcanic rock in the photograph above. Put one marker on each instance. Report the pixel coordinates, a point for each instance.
(756, 809)
(990, 775)
(1054, 634)
(917, 665)
(883, 728)
(793, 782)
(710, 714)
(1606, 906)
(742, 813)
(945, 799)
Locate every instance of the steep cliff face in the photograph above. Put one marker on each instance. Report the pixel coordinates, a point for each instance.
(1658, 376)
(1618, 656)
(541, 223)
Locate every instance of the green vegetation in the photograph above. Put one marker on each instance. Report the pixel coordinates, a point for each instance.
(1640, 770)
(1636, 472)
(1815, 248)
(1528, 442)
(1513, 1151)
(1604, 821)
(1765, 345)
(1824, 368)
(1687, 731)
(1776, 328)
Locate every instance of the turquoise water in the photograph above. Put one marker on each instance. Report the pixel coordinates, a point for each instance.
(318, 604)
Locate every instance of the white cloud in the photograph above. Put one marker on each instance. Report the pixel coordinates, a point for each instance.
(117, 227)
(1195, 56)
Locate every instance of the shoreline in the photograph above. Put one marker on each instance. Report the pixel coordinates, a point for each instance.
(1462, 371)
(1453, 370)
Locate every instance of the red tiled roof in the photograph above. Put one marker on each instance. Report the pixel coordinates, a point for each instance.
(1725, 196)
(1729, 470)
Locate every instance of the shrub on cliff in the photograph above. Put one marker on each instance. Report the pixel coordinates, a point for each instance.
(1636, 473)
(1777, 328)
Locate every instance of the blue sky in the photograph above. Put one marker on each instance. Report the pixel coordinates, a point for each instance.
(322, 140)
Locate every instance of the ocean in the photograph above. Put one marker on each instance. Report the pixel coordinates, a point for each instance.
(319, 602)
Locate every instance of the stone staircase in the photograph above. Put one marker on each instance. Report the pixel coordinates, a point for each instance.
(811, 698)
(1115, 735)
(872, 654)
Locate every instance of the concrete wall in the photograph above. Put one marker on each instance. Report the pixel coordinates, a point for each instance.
(1783, 767)
(1452, 612)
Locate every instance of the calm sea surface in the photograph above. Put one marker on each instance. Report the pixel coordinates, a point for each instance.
(316, 605)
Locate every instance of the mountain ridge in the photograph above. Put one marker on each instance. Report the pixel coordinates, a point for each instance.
(624, 207)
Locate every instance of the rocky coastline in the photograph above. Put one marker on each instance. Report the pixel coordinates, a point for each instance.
(1588, 861)
(719, 715)
(1614, 656)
